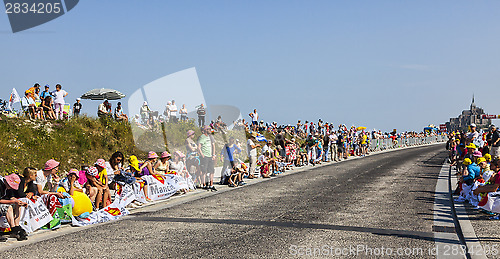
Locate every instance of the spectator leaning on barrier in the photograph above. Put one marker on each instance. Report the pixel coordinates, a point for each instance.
(10, 206)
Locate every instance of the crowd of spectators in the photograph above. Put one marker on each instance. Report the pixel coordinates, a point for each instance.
(46, 105)
(475, 156)
(286, 147)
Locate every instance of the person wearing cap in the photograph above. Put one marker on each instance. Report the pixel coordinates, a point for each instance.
(206, 149)
(31, 91)
(28, 105)
(177, 165)
(45, 93)
(59, 102)
(100, 164)
(493, 183)
(104, 110)
(77, 107)
(147, 168)
(47, 179)
(472, 171)
(94, 188)
(134, 169)
(473, 134)
(252, 154)
(70, 183)
(119, 115)
(10, 206)
(162, 165)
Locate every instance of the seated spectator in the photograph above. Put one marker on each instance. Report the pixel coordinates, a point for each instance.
(177, 165)
(27, 187)
(47, 105)
(119, 115)
(94, 188)
(114, 167)
(29, 106)
(147, 168)
(81, 202)
(100, 164)
(162, 165)
(47, 179)
(134, 169)
(10, 206)
(104, 110)
(70, 184)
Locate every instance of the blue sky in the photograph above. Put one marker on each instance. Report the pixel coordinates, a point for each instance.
(380, 64)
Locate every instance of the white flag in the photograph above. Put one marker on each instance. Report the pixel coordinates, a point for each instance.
(14, 98)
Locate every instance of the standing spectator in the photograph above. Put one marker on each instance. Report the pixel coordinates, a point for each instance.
(59, 102)
(473, 134)
(77, 107)
(333, 146)
(201, 115)
(45, 93)
(495, 142)
(119, 115)
(10, 206)
(252, 154)
(167, 111)
(255, 119)
(206, 149)
(173, 111)
(184, 113)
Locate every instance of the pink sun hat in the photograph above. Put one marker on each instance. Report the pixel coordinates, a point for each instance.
(51, 164)
(152, 154)
(13, 181)
(477, 153)
(93, 171)
(165, 154)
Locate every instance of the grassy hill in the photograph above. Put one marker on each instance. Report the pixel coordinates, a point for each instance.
(75, 142)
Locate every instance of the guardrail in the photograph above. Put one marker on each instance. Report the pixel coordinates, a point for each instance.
(383, 144)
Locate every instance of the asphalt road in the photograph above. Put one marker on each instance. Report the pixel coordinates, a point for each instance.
(383, 201)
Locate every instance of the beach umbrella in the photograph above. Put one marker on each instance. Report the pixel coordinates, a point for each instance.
(102, 94)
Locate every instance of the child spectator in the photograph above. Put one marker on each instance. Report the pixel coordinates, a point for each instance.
(77, 107)
(10, 206)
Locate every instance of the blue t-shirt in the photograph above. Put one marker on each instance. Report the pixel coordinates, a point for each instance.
(227, 152)
(473, 172)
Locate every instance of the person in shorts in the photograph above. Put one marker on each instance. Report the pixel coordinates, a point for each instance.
(10, 206)
(206, 149)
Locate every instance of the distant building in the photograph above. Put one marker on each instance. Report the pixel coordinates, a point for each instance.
(473, 115)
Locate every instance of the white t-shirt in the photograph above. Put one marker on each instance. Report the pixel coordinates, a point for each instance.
(265, 149)
(251, 151)
(45, 182)
(59, 96)
(173, 110)
(255, 116)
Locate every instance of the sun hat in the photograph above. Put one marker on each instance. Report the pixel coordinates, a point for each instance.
(165, 154)
(190, 133)
(180, 154)
(152, 155)
(51, 164)
(473, 125)
(487, 157)
(93, 171)
(480, 160)
(471, 145)
(467, 161)
(132, 160)
(75, 172)
(477, 153)
(78, 99)
(145, 103)
(100, 162)
(13, 181)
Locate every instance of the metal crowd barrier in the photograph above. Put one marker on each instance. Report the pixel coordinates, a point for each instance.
(384, 144)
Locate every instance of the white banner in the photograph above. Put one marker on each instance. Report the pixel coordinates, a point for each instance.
(161, 187)
(35, 216)
(490, 201)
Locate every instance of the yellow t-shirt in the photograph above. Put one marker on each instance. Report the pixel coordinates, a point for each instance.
(364, 139)
(102, 176)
